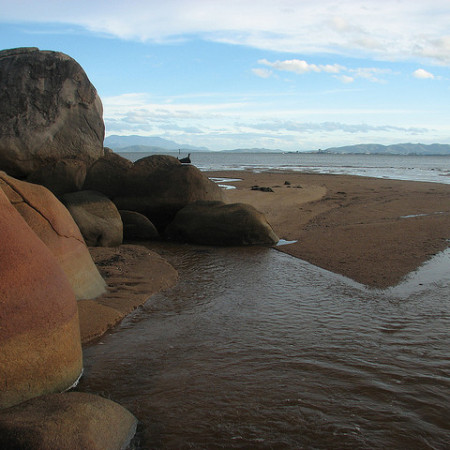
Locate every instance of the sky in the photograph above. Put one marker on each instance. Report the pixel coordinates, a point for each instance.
(295, 75)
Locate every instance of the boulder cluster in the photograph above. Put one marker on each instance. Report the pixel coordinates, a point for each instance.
(60, 192)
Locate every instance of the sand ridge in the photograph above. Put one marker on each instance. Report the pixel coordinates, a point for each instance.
(372, 230)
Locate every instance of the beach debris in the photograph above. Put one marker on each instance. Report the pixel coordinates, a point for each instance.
(263, 189)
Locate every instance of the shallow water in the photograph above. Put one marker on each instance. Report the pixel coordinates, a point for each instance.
(434, 169)
(256, 349)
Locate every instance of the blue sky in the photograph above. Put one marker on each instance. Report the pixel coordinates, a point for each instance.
(293, 75)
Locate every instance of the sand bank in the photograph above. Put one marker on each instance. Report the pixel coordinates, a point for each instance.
(133, 273)
(372, 230)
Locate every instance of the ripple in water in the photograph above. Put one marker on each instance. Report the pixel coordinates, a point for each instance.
(256, 349)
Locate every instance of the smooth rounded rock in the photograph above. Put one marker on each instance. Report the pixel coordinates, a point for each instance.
(40, 350)
(54, 225)
(218, 223)
(69, 421)
(60, 177)
(97, 218)
(137, 227)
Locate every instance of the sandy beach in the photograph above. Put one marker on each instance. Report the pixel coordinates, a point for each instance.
(372, 230)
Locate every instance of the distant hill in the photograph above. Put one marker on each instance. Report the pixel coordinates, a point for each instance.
(395, 149)
(134, 143)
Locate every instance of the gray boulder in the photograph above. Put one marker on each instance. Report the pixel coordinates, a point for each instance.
(108, 174)
(49, 111)
(97, 218)
(218, 223)
(60, 177)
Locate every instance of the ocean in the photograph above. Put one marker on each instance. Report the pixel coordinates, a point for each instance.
(435, 169)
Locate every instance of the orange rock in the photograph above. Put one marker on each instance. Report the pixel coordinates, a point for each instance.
(54, 225)
(39, 329)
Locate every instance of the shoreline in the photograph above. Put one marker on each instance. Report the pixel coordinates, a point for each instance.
(373, 230)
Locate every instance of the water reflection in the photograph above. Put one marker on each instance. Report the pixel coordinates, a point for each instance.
(256, 349)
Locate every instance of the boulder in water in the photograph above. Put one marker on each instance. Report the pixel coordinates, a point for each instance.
(218, 223)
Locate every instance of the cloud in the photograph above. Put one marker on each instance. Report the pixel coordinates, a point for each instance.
(423, 74)
(262, 73)
(301, 67)
(345, 78)
(314, 127)
(341, 27)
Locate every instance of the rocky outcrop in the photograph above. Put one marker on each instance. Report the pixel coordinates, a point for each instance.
(53, 224)
(217, 223)
(156, 186)
(49, 111)
(67, 421)
(97, 218)
(39, 329)
(137, 227)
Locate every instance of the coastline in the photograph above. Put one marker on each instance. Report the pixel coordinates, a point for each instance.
(372, 230)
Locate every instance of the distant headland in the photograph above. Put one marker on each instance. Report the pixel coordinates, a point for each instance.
(153, 144)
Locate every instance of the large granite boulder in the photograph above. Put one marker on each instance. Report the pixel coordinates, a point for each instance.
(218, 223)
(49, 110)
(137, 227)
(108, 174)
(54, 225)
(69, 421)
(157, 186)
(60, 177)
(40, 349)
(96, 216)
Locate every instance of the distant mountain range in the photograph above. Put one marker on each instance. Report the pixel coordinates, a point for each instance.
(134, 143)
(395, 149)
(151, 144)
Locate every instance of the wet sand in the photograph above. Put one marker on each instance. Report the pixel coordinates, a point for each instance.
(372, 230)
(133, 273)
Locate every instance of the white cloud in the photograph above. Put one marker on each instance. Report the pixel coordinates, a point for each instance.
(262, 73)
(345, 79)
(348, 75)
(370, 73)
(300, 67)
(380, 28)
(423, 74)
